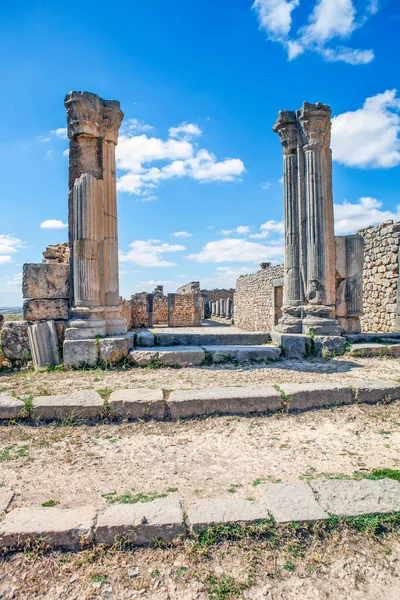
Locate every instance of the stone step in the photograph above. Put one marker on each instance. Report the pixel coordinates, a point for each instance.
(366, 338)
(208, 337)
(372, 350)
(222, 354)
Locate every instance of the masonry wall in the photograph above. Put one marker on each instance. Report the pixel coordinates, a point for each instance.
(253, 299)
(215, 295)
(142, 310)
(160, 309)
(185, 310)
(381, 285)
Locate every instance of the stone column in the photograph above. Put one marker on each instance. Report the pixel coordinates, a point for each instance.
(222, 305)
(112, 117)
(86, 219)
(287, 129)
(320, 292)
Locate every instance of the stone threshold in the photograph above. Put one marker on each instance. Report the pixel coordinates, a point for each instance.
(164, 519)
(145, 403)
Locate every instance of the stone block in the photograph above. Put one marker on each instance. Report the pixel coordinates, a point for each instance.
(332, 344)
(83, 404)
(40, 280)
(212, 338)
(10, 407)
(14, 340)
(5, 499)
(372, 349)
(114, 349)
(293, 345)
(206, 513)
(138, 403)
(60, 329)
(145, 338)
(303, 396)
(81, 333)
(221, 354)
(352, 498)
(141, 523)
(80, 353)
(46, 309)
(182, 356)
(69, 528)
(43, 341)
(291, 502)
(376, 391)
(224, 400)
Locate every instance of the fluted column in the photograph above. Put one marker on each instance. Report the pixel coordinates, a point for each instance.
(113, 116)
(286, 128)
(86, 221)
(320, 289)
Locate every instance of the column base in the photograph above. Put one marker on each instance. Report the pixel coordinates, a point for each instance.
(86, 323)
(290, 322)
(319, 321)
(350, 324)
(115, 324)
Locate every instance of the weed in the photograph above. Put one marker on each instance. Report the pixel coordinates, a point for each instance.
(50, 503)
(234, 488)
(5, 454)
(129, 498)
(155, 573)
(219, 588)
(378, 474)
(208, 358)
(98, 577)
(171, 490)
(289, 566)
(268, 478)
(181, 572)
(105, 393)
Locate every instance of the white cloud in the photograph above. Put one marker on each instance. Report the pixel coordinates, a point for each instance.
(369, 136)
(149, 253)
(367, 211)
(225, 277)
(185, 130)
(241, 230)
(237, 250)
(53, 224)
(130, 125)
(61, 132)
(43, 139)
(265, 185)
(329, 20)
(5, 259)
(136, 154)
(9, 245)
(269, 227)
(185, 234)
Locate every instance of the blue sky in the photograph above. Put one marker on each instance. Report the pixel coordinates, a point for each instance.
(200, 83)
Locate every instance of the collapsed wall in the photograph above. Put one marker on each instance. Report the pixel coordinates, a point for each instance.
(254, 298)
(381, 283)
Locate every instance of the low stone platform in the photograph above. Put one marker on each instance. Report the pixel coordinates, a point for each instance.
(209, 336)
(182, 356)
(164, 519)
(370, 350)
(222, 354)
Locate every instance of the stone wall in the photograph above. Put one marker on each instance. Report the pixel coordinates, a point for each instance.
(142, 310)
(185, 310)
(56, 253)
(216, 294)
(254, 299)
(160, 309)
(193, 287)
(381, 285)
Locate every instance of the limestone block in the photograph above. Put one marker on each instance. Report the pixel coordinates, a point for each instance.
(83, 404)
(80, 353)
(145, 338)
(206, 513)
(40, 280)
(182, 356)
(303, 396)
(69, 528)
(5, 499)
(10, 407)
(46, 309)
(224, 400)
(333, 344)
(142, 523)
(138, 403)
(291, 502)
(44, 344)
(293, 345)
(60, 329)
(14, 340)
(376, 391)
(114, 349)
(221, 354)
(352, 498)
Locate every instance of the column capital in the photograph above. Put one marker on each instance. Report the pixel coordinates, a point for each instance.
(113, 116)
(287, 130)
(315, 122)
(84, 114)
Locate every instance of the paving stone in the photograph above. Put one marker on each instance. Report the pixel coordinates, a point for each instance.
(44, 280)
(46, 309)
(352, 498)
(376, 391)
(302, 396)
(82, 404)
(142, 523)
(5, 499)
(182, 356)
(145, 338)
(10, 407)
(80, 353)
(138, 403)
(221, 354)
(212, 339)
(228, 400)
(114, 349)
(206, 513)
(60, 527)
(371, 350)
(291, 502)
(293, 345)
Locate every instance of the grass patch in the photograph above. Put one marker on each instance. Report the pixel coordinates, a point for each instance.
(376, 474)
(129, 498)
(50, 503)
(219, 588)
